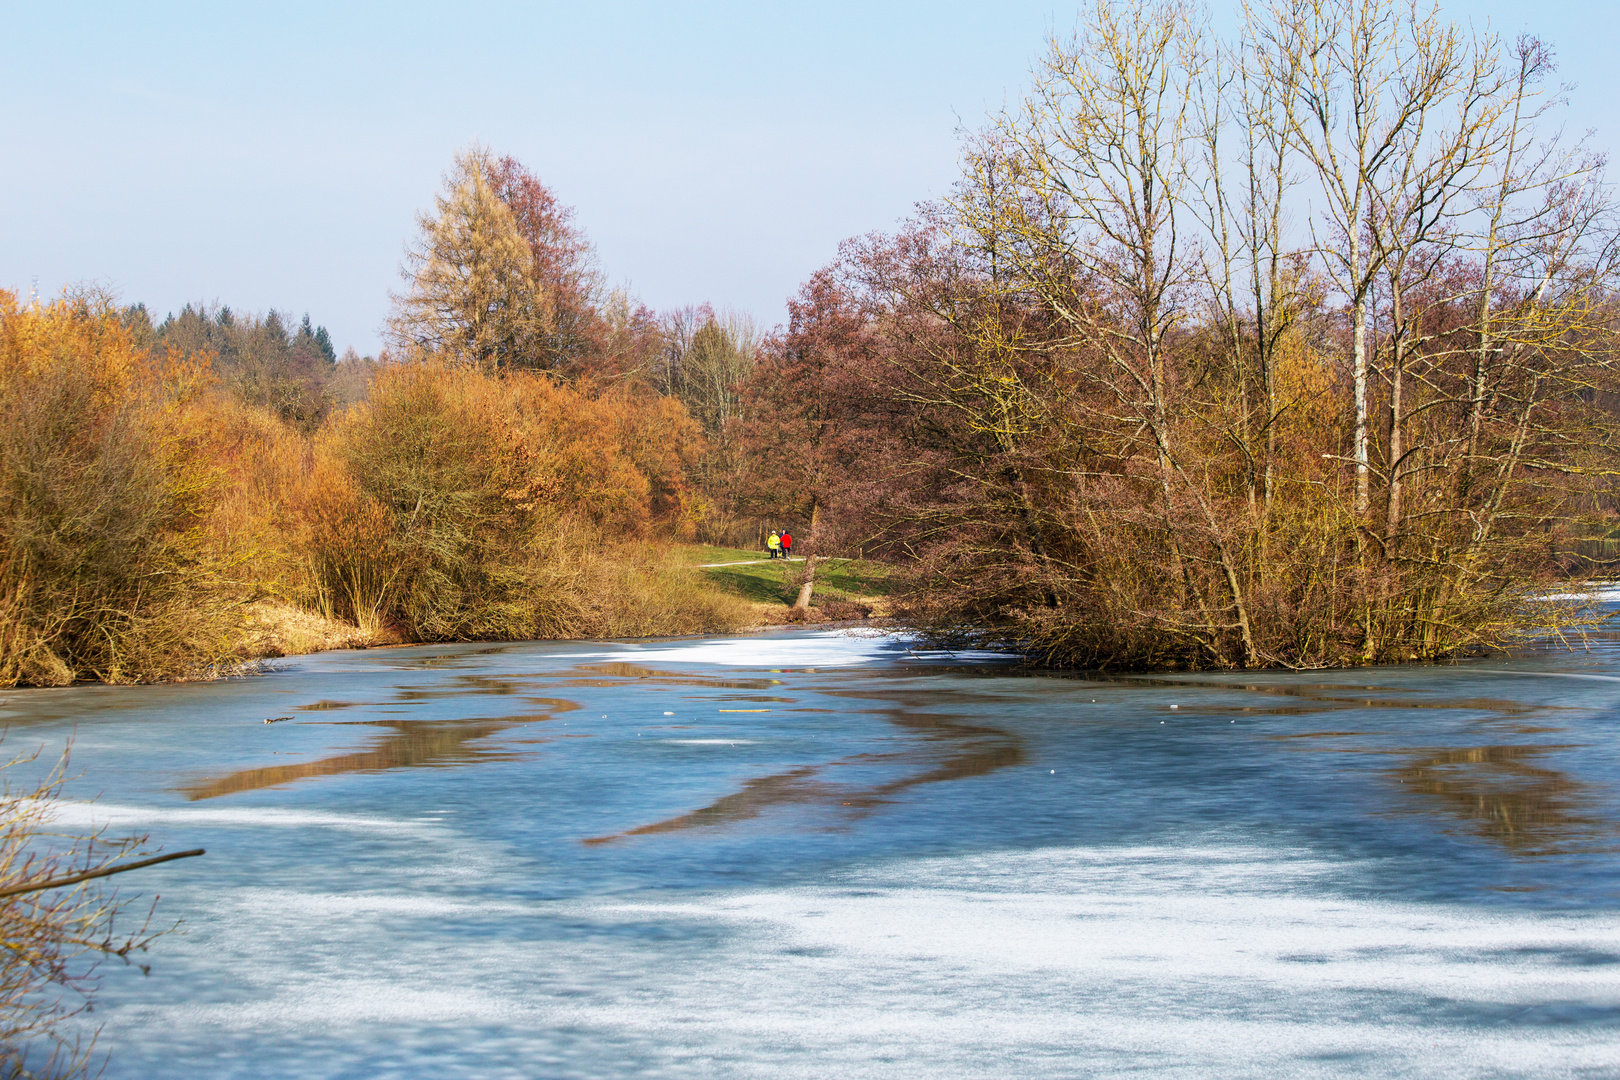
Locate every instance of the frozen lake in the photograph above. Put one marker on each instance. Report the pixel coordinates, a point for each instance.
(811, 855)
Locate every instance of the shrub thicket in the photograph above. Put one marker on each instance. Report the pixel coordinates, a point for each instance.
(143, 503)
(1225, 354)
(106, 570)
(456, 504)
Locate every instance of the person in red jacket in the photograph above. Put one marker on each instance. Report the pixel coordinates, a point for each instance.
(787, 544)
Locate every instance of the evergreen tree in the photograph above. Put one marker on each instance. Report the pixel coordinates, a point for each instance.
(470, 292)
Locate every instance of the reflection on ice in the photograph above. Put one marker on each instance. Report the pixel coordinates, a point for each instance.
(609, 674)
(949, 750)
(1530, 809)
(410, 744)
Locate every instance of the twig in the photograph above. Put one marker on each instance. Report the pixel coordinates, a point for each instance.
(106, 871)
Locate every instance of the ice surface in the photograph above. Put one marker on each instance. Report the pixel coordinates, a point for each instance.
(709, 742)
(899, 872)
(1206, 961)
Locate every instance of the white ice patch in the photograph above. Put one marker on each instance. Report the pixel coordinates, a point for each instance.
(255, 905)
(1607, 592)
(827, 649)
(1545, 674)
(708, 742)
(1186, 962)
(111, 815)
(818, 650)
(1025, 916)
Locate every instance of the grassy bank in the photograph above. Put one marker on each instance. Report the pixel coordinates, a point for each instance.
(845, 589)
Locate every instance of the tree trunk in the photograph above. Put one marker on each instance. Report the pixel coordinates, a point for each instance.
(803, 602)
(1397, 391)
(1397, 446)
(809, 585)
(1359, 330)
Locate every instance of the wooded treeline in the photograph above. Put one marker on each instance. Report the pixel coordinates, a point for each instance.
(1293, 350)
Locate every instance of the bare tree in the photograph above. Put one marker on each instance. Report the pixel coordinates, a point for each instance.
(1397, 113)
(678, 328)
(1101, 157)
(721, 354)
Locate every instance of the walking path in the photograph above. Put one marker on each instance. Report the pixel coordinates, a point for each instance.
(749, 562)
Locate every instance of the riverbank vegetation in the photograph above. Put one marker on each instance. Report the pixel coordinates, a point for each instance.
(1295, 350)
(158, 525)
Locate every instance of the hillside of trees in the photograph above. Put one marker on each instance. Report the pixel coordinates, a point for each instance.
(1294, 350)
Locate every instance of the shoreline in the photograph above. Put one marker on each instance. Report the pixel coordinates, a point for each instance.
(263, 664)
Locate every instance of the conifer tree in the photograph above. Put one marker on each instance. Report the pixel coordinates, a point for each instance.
(470, 293)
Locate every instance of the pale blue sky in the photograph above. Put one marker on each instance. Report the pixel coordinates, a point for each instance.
(274, 155)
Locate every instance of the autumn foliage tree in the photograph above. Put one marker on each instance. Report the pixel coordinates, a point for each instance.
(818, 429)
(562, 268)
(455, 504)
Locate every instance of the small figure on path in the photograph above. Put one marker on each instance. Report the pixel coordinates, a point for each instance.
(787, 544)
(774, 543)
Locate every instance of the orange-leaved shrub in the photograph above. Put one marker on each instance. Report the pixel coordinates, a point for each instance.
(456, 504)
(105, 568)
(261, 462)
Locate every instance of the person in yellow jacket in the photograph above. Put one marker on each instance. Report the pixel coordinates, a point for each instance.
(774, 542)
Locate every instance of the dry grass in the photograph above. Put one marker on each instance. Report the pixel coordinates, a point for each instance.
(654, 593)
(273, 628)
